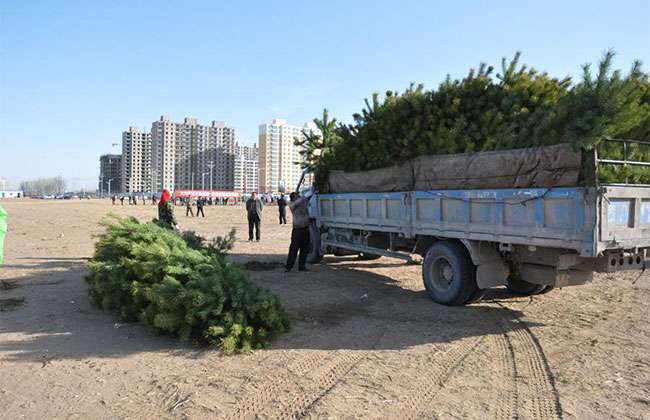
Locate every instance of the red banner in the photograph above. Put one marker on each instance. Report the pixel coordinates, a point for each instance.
(207, 193)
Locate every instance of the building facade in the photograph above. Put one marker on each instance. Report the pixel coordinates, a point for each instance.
(246, 168)
(110, 174)
(279, 157)
(216, 165)
(189, 155)
(136, 161)
(163, 154)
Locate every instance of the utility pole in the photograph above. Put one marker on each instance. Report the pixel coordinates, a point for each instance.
(101, 185)
(211, 165)
(109, 186)
(203, 180)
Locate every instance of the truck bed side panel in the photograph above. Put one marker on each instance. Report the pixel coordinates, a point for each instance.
(557, 217)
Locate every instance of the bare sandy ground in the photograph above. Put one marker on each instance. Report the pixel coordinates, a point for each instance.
(366, 342)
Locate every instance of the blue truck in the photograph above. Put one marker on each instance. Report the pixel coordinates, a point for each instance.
(529, 239)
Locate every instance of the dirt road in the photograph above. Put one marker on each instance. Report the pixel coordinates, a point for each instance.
(366, 342)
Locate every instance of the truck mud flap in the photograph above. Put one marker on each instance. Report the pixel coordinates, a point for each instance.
(551, 276)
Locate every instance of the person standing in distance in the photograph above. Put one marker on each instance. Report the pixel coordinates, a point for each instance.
(282, 209)
(254, 208)
(166, 211)
(299, 233)
(188, 207)
(199, 207)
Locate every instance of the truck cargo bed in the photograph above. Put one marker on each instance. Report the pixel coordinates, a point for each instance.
(586, 220)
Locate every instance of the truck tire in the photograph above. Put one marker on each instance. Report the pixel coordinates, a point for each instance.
(546, 290)
(449, 274)
(314, 255)
(476, 296)
(521, 287)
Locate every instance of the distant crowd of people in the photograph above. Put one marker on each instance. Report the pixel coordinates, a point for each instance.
(299, 246)
(185, 201)
(133, 199)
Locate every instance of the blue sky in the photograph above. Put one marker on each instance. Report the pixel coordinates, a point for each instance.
(75, 74)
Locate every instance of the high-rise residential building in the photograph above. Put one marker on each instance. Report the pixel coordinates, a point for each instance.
(136, 161)
(110, 174)
(191, 140)
(245, 168)
(219, 159)
(189, 155)
(248, 152)
(279, 162)
(163, 154)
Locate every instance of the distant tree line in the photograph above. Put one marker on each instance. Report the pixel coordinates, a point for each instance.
(47, 186)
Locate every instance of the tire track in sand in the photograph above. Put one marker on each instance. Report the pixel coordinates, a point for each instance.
(175, 396)
(431, 378)
(529, 392)
(320, 384)
(260, 395)
(536, 395)
(506, 399)
(325, 380)
(304, 383)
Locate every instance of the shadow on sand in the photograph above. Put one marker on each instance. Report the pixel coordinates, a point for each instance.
(46, 263)
(334, 306)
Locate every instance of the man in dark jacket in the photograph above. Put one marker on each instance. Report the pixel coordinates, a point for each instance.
(199, 207)
(254, 208)
(299, 233)
(282, 208)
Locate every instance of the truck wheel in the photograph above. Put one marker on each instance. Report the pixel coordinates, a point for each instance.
(477, 296)
(521, 287)
(448, 273)
(546, 290)
(314, 255)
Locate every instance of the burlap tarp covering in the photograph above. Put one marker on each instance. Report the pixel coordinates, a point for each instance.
(538, 167)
